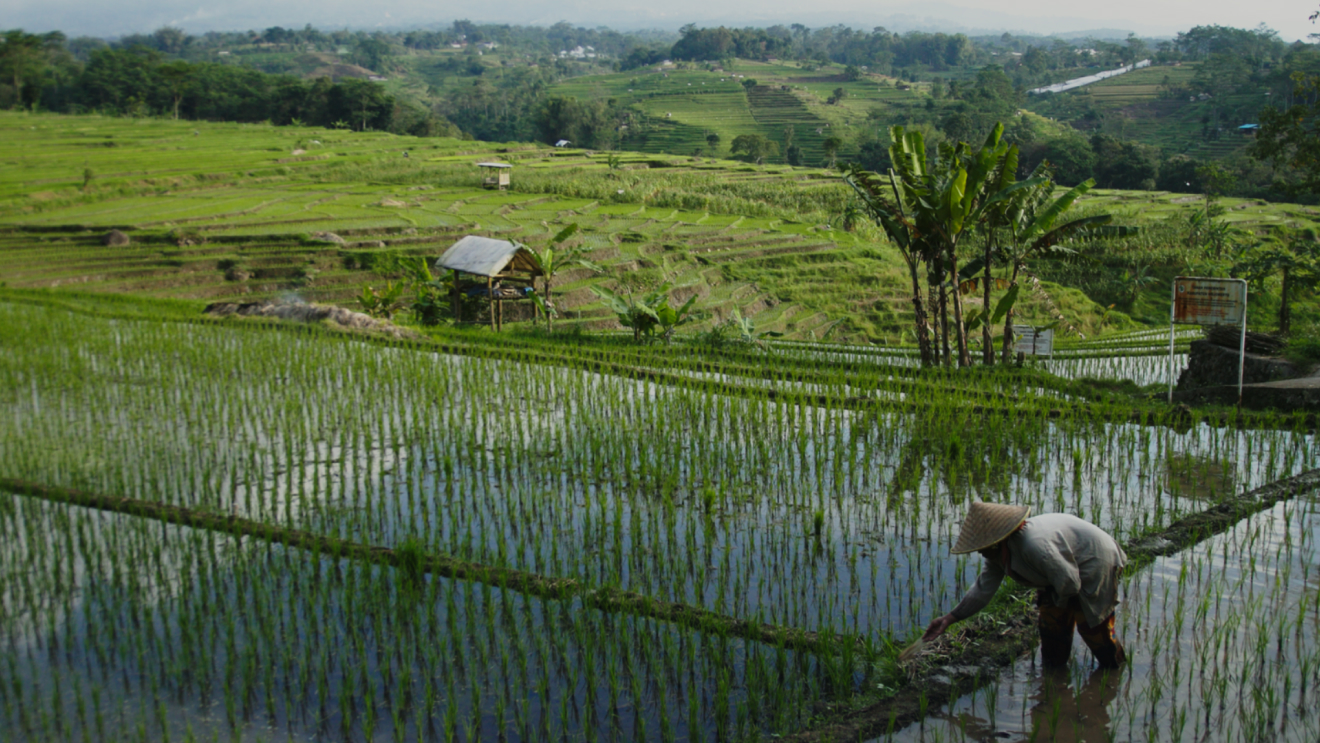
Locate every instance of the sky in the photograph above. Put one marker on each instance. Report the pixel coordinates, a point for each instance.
(1144, 17)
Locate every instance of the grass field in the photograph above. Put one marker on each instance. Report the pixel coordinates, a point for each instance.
(201, 199)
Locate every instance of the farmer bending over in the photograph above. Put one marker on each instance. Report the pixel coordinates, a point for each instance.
(1074, 564)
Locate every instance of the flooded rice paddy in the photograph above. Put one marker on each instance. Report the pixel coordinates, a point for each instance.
(1224, 642)
(1141, 357)
(770, 509)
(123, 629)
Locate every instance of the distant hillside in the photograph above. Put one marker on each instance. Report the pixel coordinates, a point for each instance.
(679, 108)
(1157, 106)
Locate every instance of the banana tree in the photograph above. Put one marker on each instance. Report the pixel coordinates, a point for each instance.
(1003, 182)
(672, 319)
(1030, 217)
(551, 260)
(746, 329)
(384, 304)
(934, 208)
(429, 293)
(651, 311)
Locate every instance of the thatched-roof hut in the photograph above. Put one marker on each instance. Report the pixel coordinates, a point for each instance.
(509, 268)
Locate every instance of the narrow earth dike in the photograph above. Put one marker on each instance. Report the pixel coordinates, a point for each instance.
(532, 584)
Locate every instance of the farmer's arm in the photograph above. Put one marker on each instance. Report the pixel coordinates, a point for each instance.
(987, 583)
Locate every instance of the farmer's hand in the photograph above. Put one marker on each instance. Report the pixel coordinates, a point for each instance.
(938, 626)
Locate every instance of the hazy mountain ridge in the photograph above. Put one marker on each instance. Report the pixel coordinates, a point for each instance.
(76, 17)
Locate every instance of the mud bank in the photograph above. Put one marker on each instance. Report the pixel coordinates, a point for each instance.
(309, 313)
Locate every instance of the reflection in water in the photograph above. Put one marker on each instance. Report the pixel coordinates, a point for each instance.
(1189, 475)
(117, 628)
(1223, 641)
(1061, 710)
(1142, 369)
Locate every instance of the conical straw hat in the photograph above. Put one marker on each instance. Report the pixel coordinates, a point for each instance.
(987, 523)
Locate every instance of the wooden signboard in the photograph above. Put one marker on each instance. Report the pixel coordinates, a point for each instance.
(1032, 341)
(1206, 301)
(1209, 301)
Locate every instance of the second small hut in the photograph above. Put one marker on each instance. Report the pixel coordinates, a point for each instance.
(509, 270)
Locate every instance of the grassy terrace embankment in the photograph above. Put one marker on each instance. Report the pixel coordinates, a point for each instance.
(220, 211)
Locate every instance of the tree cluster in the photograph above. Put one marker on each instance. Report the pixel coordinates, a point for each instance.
(142, 81)
(723, 43)
(932, 207)
(879, 50)
(593, 123)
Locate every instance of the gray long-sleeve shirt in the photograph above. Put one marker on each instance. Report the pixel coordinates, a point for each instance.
(1058, 551)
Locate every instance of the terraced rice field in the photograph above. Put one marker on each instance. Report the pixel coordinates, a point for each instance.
(680, 123)
(681, 107)
(571, 508)
(192, 226)
(1140, 85)
(777, 109)
(227, 212)
(1137, 110)
(245, 530)
(1252, 215)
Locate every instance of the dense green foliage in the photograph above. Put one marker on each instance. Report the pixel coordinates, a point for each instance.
(1289, 137)
(136, 81)
(139, 81)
